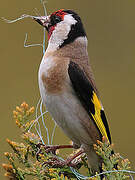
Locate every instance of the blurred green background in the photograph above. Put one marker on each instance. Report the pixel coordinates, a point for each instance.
(110, 27)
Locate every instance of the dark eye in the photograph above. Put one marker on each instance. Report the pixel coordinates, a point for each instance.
(55, 19)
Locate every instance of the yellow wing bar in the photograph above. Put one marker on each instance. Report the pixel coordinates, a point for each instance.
(97, 116)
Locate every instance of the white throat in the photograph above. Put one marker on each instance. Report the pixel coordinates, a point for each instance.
(60, 33)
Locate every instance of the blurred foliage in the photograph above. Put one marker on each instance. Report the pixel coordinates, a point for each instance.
(31, 160)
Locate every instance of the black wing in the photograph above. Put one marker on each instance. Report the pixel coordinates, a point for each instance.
(88, 98)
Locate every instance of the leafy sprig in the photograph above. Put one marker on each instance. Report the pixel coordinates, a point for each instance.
(31, 160)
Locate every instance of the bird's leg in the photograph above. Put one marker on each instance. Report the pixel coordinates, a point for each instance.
(53, 148)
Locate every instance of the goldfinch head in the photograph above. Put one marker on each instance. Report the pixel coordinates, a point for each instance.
(63, 27)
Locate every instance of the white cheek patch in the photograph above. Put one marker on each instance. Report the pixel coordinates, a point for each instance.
(69, 19)
(61, 32)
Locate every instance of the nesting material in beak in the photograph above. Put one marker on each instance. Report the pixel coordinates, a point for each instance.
(42, 20)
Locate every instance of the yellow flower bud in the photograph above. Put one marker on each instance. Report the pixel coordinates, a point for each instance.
(19, 109)
(32, 109)
(7, 167)
(24, 105)
(15, 113)
(9, 175)
(6, 154)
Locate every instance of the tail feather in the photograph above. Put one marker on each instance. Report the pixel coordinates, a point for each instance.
(94, 161)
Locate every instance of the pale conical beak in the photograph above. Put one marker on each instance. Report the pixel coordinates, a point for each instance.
(43, 20)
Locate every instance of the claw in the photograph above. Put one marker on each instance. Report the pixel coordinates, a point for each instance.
(57, 163)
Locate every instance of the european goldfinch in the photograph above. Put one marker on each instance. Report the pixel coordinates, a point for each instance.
(67, 85)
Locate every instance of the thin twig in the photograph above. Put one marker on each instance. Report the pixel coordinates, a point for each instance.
(43, 121)
(30, 45)
(18, 19)
(78, 175)
(53, 132)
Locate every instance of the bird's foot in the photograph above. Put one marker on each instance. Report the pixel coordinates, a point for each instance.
(58, 163)
(50, 148)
